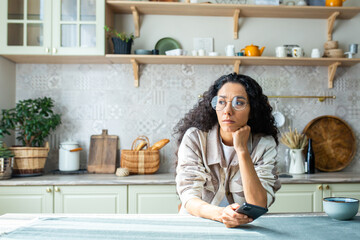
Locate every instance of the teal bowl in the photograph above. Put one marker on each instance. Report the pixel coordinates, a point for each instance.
(341, 208)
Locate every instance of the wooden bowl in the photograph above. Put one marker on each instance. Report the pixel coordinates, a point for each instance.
(334, 53)
(331, 45)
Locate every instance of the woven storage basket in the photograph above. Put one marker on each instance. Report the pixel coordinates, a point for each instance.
(29, 161)
(140, 162)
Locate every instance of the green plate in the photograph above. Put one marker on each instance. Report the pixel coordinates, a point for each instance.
(166, 44)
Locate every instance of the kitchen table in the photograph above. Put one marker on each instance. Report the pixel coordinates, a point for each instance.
(173, 226)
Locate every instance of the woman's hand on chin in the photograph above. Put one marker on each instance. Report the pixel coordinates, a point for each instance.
(233, 219)
(240, 138)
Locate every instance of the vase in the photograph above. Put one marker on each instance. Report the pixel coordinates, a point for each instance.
(122, 47)
(297, 161)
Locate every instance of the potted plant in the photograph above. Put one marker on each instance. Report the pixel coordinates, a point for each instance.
(32, 120)
(6, 160)
(122, 42)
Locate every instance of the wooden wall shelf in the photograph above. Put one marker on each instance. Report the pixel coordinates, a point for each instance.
(331, 63)
(136, 60)
(235, 11)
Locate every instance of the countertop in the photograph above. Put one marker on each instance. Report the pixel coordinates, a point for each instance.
(160, 179)
(172, 226)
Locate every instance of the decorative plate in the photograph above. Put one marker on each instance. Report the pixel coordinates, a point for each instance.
(333, 142)
(166, 44)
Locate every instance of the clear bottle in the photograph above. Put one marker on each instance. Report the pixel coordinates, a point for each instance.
(310, 159)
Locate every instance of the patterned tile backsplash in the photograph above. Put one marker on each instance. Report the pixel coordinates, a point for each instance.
(95, 97)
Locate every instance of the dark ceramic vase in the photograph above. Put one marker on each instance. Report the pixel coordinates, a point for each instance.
(122, 47)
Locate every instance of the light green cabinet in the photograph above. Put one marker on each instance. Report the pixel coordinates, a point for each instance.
(26, 199)
(63, 199)
(153, 199)
(299, 198)
(90, 199)
(52, 27)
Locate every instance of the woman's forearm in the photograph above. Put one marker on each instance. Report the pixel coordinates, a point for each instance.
(253, 190)
(200, 208)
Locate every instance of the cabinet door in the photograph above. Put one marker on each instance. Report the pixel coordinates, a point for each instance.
(90, 199)
(25, 27)
(342, 190)
(78, 27)
(298, 198)
(153, 199)
(29, 199)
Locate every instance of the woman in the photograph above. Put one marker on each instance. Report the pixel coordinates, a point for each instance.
(227, 148)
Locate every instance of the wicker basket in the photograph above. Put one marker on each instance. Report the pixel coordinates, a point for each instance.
(29, 161)
(140, 162)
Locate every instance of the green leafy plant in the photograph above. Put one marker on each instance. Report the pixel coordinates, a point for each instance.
(32, 119)
(123, 36)
(4, 151)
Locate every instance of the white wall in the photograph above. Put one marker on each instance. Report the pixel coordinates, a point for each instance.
(7, 88)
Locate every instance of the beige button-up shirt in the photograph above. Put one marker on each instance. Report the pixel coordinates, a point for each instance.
(200, 170)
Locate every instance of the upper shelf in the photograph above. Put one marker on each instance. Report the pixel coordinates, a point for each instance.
(223, 60)
(227, 10)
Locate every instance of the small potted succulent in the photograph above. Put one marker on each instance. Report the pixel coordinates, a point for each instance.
(122, 41)
(32, 120)
(6, 160)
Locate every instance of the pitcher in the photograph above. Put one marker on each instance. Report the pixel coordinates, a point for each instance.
(230, 50)
(297, 161)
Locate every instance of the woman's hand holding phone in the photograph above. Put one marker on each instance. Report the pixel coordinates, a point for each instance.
(233, 219)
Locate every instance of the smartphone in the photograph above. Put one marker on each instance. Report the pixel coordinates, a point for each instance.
(251, 211)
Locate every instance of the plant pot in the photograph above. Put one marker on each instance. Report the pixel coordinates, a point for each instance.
(29, 161)
(122, 47)
(6, 167)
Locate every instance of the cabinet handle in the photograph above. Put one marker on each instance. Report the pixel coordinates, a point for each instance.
(47, 50)
(57, 189)
(54, 50)
(48, 190)
(327, 187)
(320, 187)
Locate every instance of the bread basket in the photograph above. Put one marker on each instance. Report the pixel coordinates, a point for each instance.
(142, 161)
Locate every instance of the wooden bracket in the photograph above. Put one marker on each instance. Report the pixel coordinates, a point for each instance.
(331, 73)
(237, 66)
(330, 25)
(136, 18)
(136, 72)
(236, 23)
(187, 1)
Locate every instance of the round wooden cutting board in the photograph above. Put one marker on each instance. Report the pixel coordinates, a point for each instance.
(333, 142)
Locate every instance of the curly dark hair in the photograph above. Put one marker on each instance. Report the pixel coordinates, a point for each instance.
(203, 116)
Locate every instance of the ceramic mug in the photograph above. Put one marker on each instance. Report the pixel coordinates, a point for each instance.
(315, 53)
(297, 52)
(280, 51)
(201, 52)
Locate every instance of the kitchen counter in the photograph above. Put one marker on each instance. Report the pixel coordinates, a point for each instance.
(160, 179)
(173, 226)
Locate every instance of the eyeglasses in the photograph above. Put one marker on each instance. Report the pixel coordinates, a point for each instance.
(219, 103)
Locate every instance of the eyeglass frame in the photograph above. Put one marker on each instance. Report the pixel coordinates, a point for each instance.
(233, 101)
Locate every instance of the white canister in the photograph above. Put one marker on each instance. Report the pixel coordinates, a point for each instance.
(69, 156)
(280, 51)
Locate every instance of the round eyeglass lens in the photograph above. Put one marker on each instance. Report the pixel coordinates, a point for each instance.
(219, 103)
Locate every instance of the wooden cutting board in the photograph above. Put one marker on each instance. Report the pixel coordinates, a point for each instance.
(102, 154)
(333, 142)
